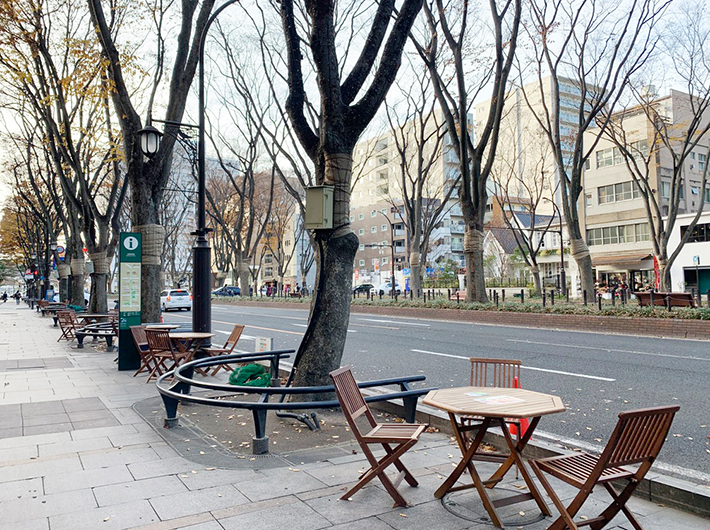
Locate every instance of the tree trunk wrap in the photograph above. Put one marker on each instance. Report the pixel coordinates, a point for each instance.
(77, 266)
(415, 272)
(153, 237)
(580, 253)
(100, 262)
(338, 171)
(473, 250)
(64, 271)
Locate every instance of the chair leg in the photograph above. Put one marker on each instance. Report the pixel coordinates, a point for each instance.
(401, 468)
(565, 520)
(619, 504)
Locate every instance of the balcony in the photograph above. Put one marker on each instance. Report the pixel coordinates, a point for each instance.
(438, 252)
(458, 228)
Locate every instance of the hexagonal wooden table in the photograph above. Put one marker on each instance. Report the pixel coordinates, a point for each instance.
(487, 407)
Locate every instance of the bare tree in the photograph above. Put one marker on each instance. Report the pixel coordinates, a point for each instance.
(449, 65)
(341, 121)
(418, 137)
(590, 49)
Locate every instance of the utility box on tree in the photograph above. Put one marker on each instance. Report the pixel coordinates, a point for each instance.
(319, 208)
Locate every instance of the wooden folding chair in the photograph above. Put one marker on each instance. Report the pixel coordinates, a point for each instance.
(404, 435)
(68, 323)
(163, 351)
(637, 439)
(501, 373)
(228, 348)
(141, 342)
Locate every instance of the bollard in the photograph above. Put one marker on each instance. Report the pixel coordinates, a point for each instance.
(543, 298)
(700, 298)
(381, 293)
(552, 297)
(457, 297)
(425, 297)
(395, 296)
(623, 297)
(522, 296)
(613, 297)
(490, 293)
(584, 296)
(567, 295)
(651, 302)
(495, 297)
(448, 291)
(668, 303)
(503, 290)
(599, 297)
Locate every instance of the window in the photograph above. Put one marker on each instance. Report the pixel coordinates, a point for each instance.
(373, 229)
(385, 261)
(361, 263)
(622, 191)
(610, 235)
(707, 195)
(375, 262)
(639, 149)
(694, 190)
(352, 218)
(626, 234)
(383, 228)
(268, 258)
(618, 157)
(383, 211)
(594, 236)
(268, 271)
(606, 194)
(287, 243)
(360, 217)
(587, 165)
(605, 157)
(641, 232)
(361, 231)
(361, 247)
(373, 213)
(665, 190)
(701, 162)
(588, 198)
(700, 233)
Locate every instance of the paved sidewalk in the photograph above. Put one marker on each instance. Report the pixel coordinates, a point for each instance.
(75, 454)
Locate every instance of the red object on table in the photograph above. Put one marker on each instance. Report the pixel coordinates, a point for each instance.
(524, 422)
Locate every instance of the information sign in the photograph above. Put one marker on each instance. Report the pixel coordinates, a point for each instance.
(129, 298)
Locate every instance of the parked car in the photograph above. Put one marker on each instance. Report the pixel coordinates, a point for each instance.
(363, 288)
(175, 299)
(227, 290)
(386, 287)
(87, 297)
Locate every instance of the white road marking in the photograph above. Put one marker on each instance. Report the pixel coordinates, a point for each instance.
(395, 322)
(610, 350)
(585, 376)
(305, 326)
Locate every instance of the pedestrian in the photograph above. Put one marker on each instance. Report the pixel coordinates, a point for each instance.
(4, 297)
(268, 290)
(17, 297)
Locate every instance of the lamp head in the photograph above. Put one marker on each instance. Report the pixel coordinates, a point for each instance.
(53, 246)
(149, 138)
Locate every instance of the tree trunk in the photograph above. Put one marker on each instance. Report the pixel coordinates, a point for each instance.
(99, 279)
(665, 272)
(536, 279)
(324, 341)
(64, 272)
(475, 271)
(580, 253)
(415, 273)
(243, 271)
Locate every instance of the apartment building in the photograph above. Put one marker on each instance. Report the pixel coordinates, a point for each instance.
(617, 225)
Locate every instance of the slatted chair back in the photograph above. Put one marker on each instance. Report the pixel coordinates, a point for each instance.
(139, 337)
(494, 372)
(351, 401)
(68, 323)
(638, 436)
(233, 337)
(159, 341)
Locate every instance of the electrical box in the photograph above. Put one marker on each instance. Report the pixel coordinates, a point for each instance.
(319, 207)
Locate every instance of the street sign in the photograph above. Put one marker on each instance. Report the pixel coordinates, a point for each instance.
(696, 260)
(406, 272)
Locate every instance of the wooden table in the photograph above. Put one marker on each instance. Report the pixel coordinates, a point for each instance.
(166, 327)
(492, 406)
(189, 341)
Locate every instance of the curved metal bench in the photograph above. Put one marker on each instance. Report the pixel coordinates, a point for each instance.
(179, 390)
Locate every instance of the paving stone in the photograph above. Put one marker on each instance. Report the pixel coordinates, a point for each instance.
(286, 483)
(367, 502)
(137, 438)
(18, 453)
(75, 446)
(116, 517)
(192, 502)
(86, 479)
(11, 432)
(116, 457)
(159, 468)
(371, 523)
(26, 509)
(34, 524)
(216, 477)
(94, 424)
(83, 404)
(40, 468)
(20, 489)
(84, 415)
(32, 420)
(429, 516)
(47, 429)
(135, 490)
(44, 408)
(297, 516)
(110, 432)
(34, 440)
(210, 525)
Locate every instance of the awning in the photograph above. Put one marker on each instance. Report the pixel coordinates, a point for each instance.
(622, 260)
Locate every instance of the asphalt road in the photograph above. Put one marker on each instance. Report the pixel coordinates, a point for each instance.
(597, 375)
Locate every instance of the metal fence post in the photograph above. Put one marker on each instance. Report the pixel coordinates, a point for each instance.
(584, 296)
(552, 297)
(543, 298)
(599, 297)
(522, 296)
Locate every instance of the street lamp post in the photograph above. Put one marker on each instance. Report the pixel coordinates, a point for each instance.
(202, 259)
